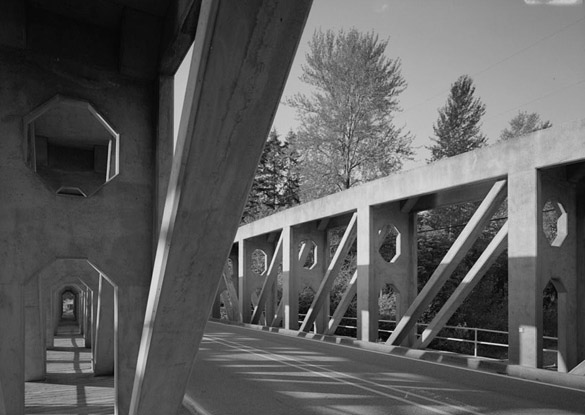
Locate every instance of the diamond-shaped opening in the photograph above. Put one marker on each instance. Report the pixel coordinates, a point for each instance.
(554, 222)
(70, 146)
(259, 262)
(389, 242)
(308, 252)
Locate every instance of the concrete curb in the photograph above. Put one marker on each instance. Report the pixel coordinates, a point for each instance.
(446, 358)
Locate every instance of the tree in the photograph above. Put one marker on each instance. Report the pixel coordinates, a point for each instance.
(458, 128)
(347, 135)
(522, 124)
(276, 183)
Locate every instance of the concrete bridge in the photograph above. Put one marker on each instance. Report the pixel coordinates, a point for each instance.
(103, 216)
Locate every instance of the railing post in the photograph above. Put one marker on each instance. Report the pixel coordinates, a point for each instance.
(475, 341)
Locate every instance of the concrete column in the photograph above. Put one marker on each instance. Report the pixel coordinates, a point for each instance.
(88, 317)
(524, 286)
(244, 280)
(34, 364)
(11, 350)
(400, 271)
(103, 354)
(580, 290)
(164, 148)
(367, 297)
(558, 261)
(290, 290)
(130, 306)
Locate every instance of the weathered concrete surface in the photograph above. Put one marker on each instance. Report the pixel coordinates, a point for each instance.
(103, 363)
(231, 97)
(11, 349)
(113, 228)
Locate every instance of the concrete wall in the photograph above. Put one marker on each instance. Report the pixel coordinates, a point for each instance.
(113, 228)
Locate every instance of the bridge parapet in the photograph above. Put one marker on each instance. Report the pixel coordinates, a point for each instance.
(544, 168)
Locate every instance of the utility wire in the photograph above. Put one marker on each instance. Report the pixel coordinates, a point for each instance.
(490, 67)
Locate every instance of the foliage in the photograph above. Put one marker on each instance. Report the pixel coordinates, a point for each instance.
(458, 128)
(347, 134)
(522, 124)
(276, 184)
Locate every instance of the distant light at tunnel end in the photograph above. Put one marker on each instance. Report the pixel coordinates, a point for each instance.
(554, 2)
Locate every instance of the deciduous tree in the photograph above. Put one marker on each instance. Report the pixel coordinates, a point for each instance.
(347, 134)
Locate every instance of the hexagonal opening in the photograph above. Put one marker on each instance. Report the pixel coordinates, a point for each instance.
(554, 223)
(389, 242)
(308, 251)
(71, 147)
(259, 262)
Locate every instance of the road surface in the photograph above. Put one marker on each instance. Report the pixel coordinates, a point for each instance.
(243, 371)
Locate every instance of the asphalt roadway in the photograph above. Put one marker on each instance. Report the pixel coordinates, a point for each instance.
(242, 371)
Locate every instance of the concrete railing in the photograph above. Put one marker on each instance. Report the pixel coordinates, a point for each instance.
(291, 250)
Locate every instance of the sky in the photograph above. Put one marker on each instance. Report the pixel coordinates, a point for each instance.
(521, 56)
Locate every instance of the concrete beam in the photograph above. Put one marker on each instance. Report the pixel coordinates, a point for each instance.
(178, 34)
(495, 162)
(13, 24)
(139, 44)
(456, 253)
(231, 96)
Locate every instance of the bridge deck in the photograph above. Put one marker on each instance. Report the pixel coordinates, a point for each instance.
(70, 386)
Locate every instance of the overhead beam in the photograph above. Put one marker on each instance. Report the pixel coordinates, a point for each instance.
(471, 279)
(232, 93)
(334, 267)
(179, 30)
(456, 253)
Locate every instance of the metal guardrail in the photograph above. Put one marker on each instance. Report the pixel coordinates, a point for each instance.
(475, 340)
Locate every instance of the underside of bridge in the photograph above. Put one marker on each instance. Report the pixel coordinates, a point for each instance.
(102, 215)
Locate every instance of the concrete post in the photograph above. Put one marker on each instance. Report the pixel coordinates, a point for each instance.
(11, 346)
(88, 317)
(290, 291)
(34, 365)
(103, 355)
(524, 286)
(580, 289)
(367, 298)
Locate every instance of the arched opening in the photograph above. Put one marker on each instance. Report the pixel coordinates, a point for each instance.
(68, 305)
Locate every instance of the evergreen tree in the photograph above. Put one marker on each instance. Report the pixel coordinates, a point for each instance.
(522, 124)
(458, 128)
(347, 134)
(276, 183)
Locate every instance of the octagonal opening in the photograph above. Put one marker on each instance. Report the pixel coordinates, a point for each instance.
(71, 147)
(389, 242)
(554, 223)
(259, 262)
(308, 253)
